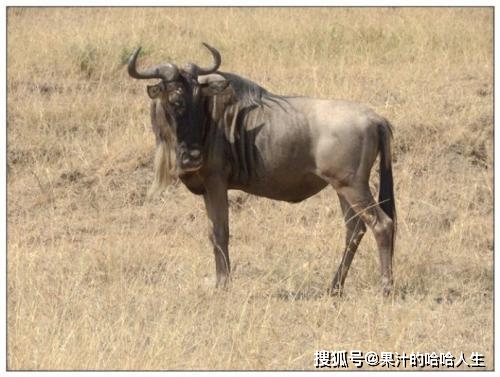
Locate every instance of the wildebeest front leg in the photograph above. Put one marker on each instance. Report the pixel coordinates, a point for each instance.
(216, 203)
(355, 230)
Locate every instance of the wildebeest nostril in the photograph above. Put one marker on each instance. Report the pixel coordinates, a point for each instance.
(195, 153)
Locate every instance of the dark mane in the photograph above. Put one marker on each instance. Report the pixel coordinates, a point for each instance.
(247, 92)
(230, 113)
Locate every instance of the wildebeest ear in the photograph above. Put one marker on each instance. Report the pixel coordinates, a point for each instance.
(214, 87)
(154, 91)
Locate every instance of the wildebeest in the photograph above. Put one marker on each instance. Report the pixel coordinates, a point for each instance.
(218, 131)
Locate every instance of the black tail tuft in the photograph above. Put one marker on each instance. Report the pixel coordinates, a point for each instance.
(386, 191)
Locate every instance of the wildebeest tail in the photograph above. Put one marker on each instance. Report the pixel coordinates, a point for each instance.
(386, 191)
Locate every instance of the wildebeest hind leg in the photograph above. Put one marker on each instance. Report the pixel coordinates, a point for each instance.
(355, 230)
(361, 201)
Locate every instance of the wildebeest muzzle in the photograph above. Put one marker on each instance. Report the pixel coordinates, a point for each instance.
(189, 158)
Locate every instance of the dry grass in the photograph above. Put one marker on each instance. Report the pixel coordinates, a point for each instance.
(99, 280)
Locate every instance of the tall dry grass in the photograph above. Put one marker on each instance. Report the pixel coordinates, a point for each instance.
(98, 279)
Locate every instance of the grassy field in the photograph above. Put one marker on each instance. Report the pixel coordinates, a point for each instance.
(100, 279)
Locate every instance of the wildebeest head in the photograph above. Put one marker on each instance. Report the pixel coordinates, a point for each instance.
(177, 105)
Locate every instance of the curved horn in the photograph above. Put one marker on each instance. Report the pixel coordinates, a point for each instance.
(166, 72)
(198, 71)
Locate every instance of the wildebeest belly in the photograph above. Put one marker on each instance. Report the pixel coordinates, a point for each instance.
(289, 189)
